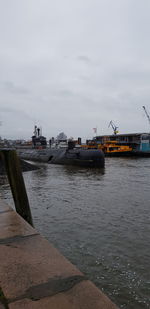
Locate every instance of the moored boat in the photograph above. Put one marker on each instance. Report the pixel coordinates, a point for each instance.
(80, 157)
(114, 149)
(61, 152)
(132, 144)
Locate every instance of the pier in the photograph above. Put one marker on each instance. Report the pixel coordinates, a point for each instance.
(35, 275)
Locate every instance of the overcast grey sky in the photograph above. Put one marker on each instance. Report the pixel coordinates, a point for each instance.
(72, 65)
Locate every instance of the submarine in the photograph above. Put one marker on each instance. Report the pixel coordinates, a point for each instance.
(69, 154)
(78, 157)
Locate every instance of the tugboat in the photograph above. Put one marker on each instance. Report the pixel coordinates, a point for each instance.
(69, 154)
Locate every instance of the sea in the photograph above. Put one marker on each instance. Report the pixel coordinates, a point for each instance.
(99, 220)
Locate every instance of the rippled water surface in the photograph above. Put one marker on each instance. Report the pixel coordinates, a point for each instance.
(100, 221)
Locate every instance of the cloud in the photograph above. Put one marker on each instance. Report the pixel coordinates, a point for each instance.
(72, 65)
(84, 59)
(15, 123)
(10, 87)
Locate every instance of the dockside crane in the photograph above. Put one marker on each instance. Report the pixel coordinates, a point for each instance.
(148, 117)
(113, 127)
(0, 124)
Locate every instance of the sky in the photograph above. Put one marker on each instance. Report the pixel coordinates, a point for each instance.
(74, 65)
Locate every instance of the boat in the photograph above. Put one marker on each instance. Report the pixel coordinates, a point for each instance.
(73, 156)
(62, 152)
(131, 144)
(114, 149)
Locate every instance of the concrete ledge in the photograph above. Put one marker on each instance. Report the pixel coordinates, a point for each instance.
(4, 207)
(35, 275)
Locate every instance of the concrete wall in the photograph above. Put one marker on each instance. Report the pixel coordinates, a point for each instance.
(35, 275)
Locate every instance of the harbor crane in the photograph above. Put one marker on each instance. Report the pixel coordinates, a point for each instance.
(148, 117)
(0, 125)
(113, 127)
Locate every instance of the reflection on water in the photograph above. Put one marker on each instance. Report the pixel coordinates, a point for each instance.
(82, 170)
(99, 220)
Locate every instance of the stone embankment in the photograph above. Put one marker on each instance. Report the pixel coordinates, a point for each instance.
(35, 275)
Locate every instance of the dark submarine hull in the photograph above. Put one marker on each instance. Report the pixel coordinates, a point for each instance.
(79, 157)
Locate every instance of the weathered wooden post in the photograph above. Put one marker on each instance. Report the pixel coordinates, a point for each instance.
(14, 173)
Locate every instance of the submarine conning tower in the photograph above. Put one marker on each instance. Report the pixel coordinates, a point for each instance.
(38, 140)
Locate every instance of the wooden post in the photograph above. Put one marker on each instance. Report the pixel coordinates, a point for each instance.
(14, 173)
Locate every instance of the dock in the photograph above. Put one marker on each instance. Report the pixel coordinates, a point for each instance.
(33, 274)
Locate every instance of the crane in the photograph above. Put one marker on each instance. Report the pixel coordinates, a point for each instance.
(148, 117)
(113, 127)
(0, 125)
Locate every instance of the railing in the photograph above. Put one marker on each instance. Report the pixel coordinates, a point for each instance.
(16, 181)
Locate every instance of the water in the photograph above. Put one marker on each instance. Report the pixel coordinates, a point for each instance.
(100, 221)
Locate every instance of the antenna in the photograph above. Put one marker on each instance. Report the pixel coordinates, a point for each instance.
(148, 117)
